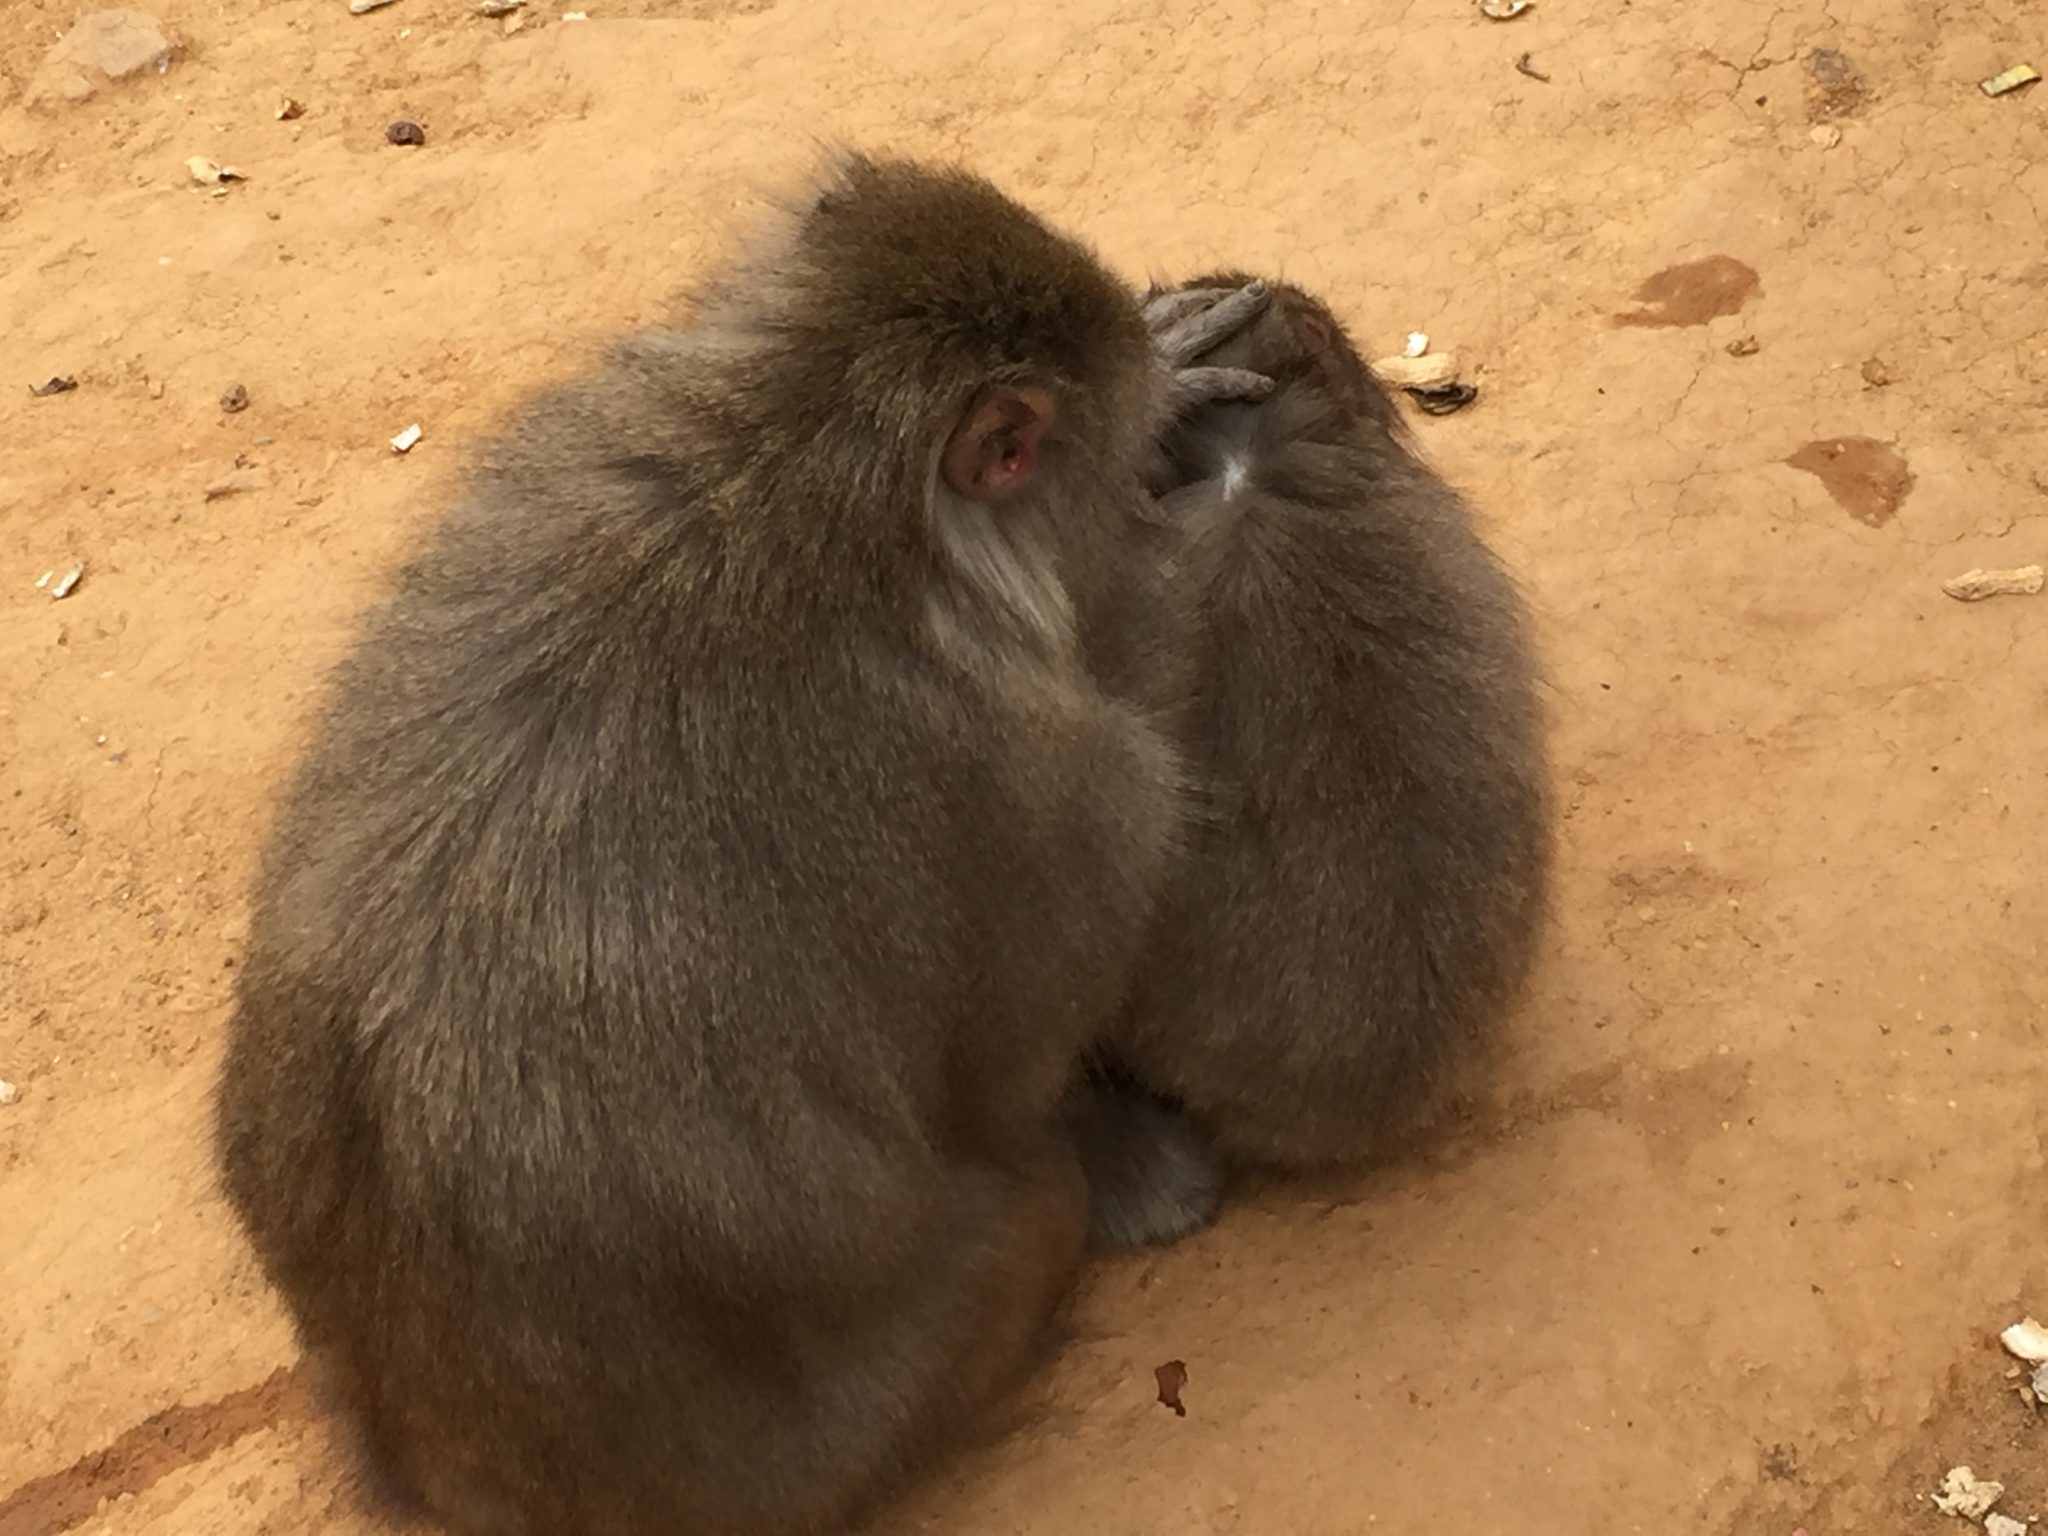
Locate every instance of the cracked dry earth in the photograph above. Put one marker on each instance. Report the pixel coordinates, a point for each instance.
(1756, 294)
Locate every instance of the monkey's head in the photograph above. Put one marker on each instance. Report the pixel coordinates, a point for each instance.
(1298, 340)
(926, 325)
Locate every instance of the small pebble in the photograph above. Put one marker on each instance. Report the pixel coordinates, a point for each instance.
(403, 132)
(234, 398)
(8, 1092)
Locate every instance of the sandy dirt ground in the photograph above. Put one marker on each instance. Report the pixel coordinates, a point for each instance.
(1760, 335)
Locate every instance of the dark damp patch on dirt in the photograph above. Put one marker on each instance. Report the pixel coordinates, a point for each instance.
(1837, 86)
(1868, 479)
(1693, 292)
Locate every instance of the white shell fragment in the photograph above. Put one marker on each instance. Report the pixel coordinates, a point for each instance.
(2027, 1340)
(404, 441)
(364, 7)
(499, 7)
(2004, 1525)
(1418, 343)
(1974, 586)
(1503, 10)
(1429, 370)
(1964, 1495)
(68, 582)
(206, 173)
(8, 1092)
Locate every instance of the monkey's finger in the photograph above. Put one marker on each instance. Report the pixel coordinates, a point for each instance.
(1204, 386)
(1187, 340)
(1162, 308)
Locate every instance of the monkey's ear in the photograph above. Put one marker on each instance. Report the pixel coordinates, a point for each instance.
(993, 452)
(1312, 332)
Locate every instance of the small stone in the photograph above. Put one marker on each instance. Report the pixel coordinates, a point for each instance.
(68, 582)
(2026, 1340)
(61, 384)
(234, 399)
(403, 443)
(2004, 1525)
(8, 1092)
(1877, 372)
(404, 132)
(1827, 135)
(364, 7)
(103, 46)
(290, 110)
(498, 7)
(1744, 346)
(1963, 1493)
(1172, 1378)
(235, 482)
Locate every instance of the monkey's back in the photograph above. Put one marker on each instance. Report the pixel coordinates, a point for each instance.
(1366, 896)
(624, 949)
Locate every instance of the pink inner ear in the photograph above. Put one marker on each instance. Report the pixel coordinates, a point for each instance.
(993, 453)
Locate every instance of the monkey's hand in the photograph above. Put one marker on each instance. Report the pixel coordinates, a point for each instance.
(1189, 323)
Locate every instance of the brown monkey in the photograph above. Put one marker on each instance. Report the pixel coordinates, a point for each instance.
(1364, 897)
(644, 1083)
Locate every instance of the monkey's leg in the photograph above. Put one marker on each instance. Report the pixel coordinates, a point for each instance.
(1153, 1177)
(965, 1329)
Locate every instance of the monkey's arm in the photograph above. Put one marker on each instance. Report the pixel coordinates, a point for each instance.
(1188, 324)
